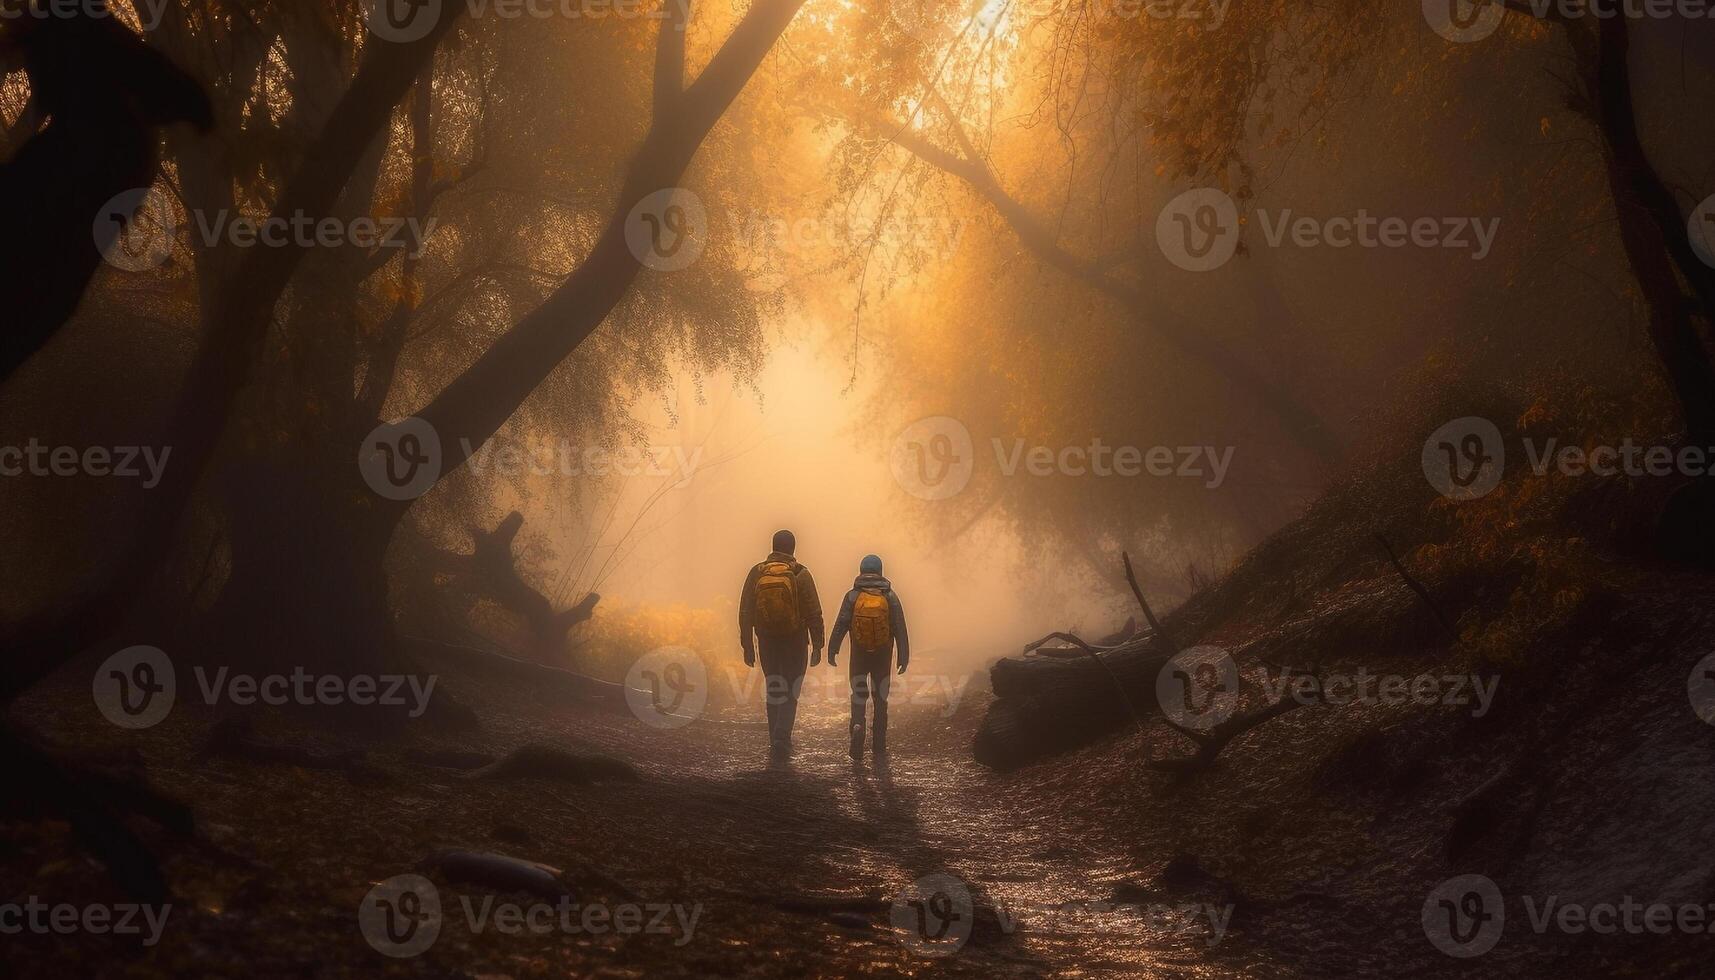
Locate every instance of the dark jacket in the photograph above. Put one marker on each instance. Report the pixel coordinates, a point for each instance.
(809, 604)
(843, 624)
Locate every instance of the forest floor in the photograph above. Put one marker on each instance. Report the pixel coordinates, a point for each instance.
(1308, 850)
(789, 867)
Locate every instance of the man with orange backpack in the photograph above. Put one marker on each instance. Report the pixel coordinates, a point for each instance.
(779, 607)
(876, 621)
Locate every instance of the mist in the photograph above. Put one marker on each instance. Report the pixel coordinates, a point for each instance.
(1286, 432)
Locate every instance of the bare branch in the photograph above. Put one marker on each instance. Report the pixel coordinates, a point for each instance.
(1417, 587)
(1064, 638)
(1210, 743)
(1299, 421)
(1148, 614)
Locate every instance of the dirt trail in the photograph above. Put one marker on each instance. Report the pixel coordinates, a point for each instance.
(790, 868)
(816, 824)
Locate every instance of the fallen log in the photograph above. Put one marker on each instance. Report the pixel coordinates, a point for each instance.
(1054, 676)
(1060, 700)
(1067, 638)
(499, 872)
(1125, 632)
(547, 762)
(1045, 705)
(1015, 733)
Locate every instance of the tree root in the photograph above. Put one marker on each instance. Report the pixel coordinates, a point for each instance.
(235, 738)
(94, 803)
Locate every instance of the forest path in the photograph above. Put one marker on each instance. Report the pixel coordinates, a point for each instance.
(773, 868)
(723, 818)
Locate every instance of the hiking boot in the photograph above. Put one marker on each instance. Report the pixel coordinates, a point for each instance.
(857, 742)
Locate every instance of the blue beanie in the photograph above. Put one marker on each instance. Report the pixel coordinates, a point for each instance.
(871, 565)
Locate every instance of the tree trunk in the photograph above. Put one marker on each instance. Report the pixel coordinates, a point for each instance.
(307, 584)
(474, 406)
(469, 411)
(1657, 243)
(236, 329)
(1652, 230)
(311, 580)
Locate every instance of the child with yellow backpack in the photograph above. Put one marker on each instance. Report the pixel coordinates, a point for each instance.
(873, 616)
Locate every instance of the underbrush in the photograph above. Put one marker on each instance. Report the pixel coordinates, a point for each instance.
(620, 633)
(1510, 573)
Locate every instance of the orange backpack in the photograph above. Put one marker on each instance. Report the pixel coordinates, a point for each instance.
(777, 599)
(872, 621)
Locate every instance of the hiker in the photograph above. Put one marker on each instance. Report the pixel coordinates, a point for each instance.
(876, 621)
(779, 606)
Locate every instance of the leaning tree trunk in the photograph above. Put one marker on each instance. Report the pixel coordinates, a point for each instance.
(474, 406)
(476, 403)
(338, 510)
(1658, 249)
(1652, 230)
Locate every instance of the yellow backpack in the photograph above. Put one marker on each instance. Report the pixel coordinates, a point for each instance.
(777, 599)
(872, 621)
